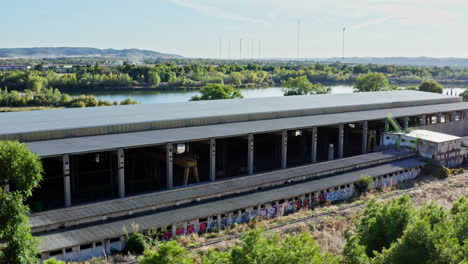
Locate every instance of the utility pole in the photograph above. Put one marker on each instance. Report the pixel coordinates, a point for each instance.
(298, 32)
(342, 51)
(220, 48)
(259, 49)
(252, 49)
(240, 49)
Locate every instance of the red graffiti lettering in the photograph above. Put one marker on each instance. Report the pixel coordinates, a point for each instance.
(167, 235)
(180, 231)
(203, 227)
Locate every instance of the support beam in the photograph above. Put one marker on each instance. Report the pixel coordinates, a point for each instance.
(121, 169)
(284, 149)
(212, 159)
(340, 140)
(250, 154)
(453, 116)
(331, 152)
(387, 126)
(365, 128)
(169, 165)
(423, 120)
(66, 180)
(439, 118)
(406, 123)
(314, 145)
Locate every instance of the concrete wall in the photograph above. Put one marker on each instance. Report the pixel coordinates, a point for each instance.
(456, 128)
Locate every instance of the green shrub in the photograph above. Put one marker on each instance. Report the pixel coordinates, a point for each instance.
(363, 184)
(433, 167)
(170, 252)
(53, 261)
(137, 243)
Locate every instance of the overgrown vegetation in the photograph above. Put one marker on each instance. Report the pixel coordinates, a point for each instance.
(53, 98)
(22, 170)
(181, 74)
(363, 184)
(216, 92)
(395, 232)
(435, 168)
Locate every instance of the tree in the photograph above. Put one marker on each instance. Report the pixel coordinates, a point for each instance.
(302, 86)
(395, 232)
(128, 101)
(371, 82)
(153, 78)
(217, 91)
(257, 248)
(19, 167)
(378, 226)
(22, 169)
(431, 86)
(464, 95)
(170, 252)
(297, 86)
(363, 184)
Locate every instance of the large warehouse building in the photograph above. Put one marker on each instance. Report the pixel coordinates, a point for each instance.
(109, 167)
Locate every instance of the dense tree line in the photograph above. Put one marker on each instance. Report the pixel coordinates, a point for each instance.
(53, 98)
(180, 74)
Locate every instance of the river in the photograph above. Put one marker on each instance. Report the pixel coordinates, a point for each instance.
(152, 97)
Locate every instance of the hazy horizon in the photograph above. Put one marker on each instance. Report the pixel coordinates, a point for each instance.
(374, 28)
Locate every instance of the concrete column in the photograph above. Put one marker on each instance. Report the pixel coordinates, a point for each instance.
(250, 154)
(331, 152)
(173, 231)
(439, 118)
(365, 127)
(423, 120)
(107, 246)
(212, 159)
(169, 168)
(314, 145)
(452, 116)
(387, 126)
(340, 141)
(66, 180)
(284, 149)
(121, 164)
(406, 123)
(218, 222)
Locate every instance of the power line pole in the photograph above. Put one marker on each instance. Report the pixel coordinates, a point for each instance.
(259, 49)
(240, 49)
(342, 51)
(298, 32)
(252, 49)
(220, 48)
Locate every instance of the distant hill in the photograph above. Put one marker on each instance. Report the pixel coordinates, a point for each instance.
(54, 52)
(417, 61)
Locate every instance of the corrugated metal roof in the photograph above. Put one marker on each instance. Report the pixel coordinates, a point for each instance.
(155, 137)
(224, 187)
(62, 119)
(69, 238)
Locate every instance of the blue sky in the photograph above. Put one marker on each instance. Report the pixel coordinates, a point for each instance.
(193, 28)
